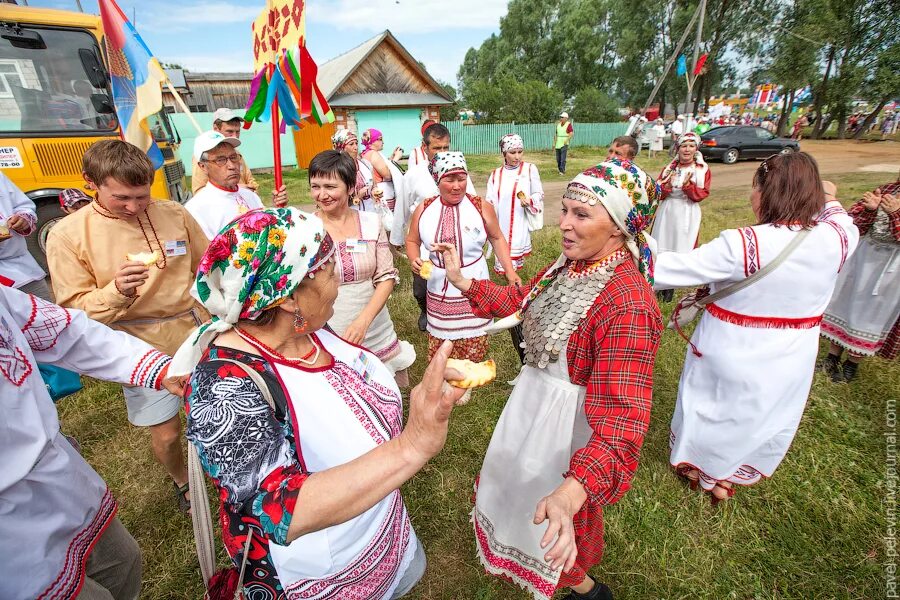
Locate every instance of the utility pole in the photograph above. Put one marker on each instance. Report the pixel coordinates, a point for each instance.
(697, 40)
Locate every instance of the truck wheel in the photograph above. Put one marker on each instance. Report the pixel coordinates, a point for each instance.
(48, 214)
(731, 156)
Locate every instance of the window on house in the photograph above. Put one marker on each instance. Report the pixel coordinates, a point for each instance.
(10, 73)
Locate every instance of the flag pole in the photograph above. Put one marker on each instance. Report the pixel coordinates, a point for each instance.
(180, 102)
(276, 133)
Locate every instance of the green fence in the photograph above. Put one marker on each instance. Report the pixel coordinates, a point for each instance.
(484, 139)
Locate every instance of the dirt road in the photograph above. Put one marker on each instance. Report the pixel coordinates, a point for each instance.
(834, 157)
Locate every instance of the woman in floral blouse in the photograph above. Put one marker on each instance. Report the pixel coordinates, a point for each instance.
(315, 479)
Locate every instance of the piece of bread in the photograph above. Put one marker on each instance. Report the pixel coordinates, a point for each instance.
(4, 230)
(521, 195)
(476, 374)
(147, 258)
(425, 269)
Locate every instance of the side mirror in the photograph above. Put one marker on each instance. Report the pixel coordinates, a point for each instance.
(102, 104)
(25, 39)
(95, 72)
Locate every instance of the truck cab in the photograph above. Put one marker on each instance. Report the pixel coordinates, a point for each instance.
(55, 102)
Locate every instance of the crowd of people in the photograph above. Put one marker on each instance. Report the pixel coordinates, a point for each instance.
(270, 327)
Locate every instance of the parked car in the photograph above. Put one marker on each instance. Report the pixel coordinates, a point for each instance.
(734, 142)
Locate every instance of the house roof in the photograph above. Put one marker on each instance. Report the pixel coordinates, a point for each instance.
(388, 99)
(336, 71)
(191, 76)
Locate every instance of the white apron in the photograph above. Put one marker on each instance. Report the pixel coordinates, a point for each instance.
(503, 187)
(542, 426)
(450, 315)
(341, 413)
(677, 224)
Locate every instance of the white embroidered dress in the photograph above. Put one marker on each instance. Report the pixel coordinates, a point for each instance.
(740, 403)
(362, 263)
(503, 187)
(677, 224)
(342, 412)
(450, 315)
(53, 505)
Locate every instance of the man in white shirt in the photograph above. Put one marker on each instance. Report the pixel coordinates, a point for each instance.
(222, 199)
(18, 220)
(226, 122)
(419, 185)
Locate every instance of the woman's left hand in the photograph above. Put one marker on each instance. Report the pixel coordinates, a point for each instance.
(280, 197)
(356, 331)
(890, 203)
(559, 508)
(514, 279)
(18, 223)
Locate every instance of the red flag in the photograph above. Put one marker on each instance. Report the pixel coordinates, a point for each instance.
(700, 62)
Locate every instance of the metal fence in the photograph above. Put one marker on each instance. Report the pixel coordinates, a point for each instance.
(483, 139)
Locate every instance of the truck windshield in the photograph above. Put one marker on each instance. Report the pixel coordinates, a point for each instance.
(46, 88)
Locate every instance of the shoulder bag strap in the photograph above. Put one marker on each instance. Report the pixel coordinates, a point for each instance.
(201, 519)
(782, 256)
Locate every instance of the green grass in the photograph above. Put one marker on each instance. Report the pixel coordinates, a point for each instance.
(814, 531)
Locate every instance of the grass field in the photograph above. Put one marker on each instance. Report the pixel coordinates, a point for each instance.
(814, 531)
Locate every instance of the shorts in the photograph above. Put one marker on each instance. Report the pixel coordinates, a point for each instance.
(413, 573)
(148, 407)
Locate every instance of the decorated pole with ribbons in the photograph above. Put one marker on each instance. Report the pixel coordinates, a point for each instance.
(284, 88)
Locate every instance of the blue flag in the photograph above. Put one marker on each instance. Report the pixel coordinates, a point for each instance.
(682, 65)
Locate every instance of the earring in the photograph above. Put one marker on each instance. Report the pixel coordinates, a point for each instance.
(299, 322)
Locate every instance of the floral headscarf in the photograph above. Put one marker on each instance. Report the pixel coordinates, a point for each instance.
(445, 163)
(690, 136)
(369, 137)
(343, 138)
(254, 264)
(630, 196)
(511, 141)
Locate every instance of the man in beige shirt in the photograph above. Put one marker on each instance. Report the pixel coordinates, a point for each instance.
(86, 255)
(228, 124)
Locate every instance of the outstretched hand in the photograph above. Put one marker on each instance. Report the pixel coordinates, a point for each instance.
(430, 405)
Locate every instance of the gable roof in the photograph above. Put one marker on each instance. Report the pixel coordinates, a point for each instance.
(334, 73)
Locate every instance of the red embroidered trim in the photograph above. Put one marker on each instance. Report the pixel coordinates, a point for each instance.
(751, 251)
(838, 335)
(45, 335)
(762, 322)
(71, 578)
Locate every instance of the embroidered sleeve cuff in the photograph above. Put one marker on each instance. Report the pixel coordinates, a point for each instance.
(31, 218)
(274, 505)
(149, 369)
(395, 275)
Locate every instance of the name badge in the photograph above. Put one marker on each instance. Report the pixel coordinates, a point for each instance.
(176, 248)
(363, 366)
(472, 232)
(355, 246)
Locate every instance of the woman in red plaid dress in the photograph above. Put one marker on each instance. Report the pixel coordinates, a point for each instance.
(568, 441)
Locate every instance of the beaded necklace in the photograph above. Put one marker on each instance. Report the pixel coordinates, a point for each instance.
(162, 251)
(308, 359)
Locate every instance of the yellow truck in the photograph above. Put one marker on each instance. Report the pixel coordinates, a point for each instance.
(55, 102)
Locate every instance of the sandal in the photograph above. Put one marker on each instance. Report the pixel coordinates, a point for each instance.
(181, 497)
(692, 476)
(721, 492)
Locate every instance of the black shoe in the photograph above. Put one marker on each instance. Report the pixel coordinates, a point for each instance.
(846, 373)
(829, 365)
(665, 295)
(600, 591)
(423, 322)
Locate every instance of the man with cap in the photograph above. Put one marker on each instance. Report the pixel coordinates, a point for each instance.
(222, 199)
(73, 199)
(561, 139)
(677, 130)
(229, 125)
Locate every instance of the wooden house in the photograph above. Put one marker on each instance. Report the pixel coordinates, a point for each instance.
(207, 92)
(377, 85)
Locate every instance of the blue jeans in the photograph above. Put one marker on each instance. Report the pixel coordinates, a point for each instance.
(561, 158)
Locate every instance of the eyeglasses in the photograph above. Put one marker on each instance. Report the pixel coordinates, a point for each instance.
(221, 161)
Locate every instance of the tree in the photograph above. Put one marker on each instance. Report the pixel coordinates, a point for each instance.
(594, 106)
(795, 60)
(451, 111)
(883, 84)
(509, 100)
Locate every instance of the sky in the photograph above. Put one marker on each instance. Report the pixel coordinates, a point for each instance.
(208, 35)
